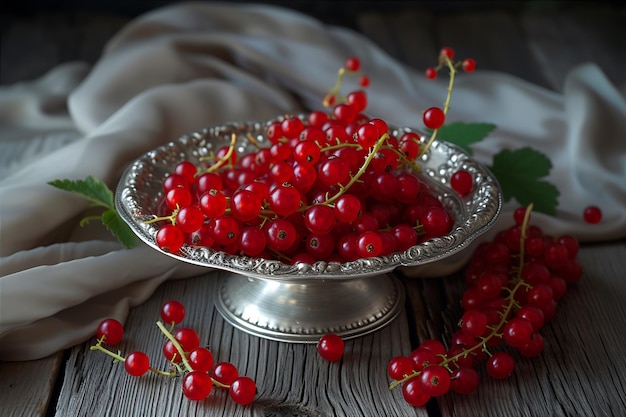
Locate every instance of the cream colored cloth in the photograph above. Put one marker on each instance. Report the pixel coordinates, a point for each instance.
(181, 68)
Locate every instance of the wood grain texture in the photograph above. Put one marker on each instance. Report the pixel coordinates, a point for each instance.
(292, 379)
(26, 387)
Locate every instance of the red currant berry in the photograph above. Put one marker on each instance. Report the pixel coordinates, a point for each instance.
(462, 182)
(435, 380)
(170, 238)
(353, 64)
(431, 73)
(137, 364)
(369, 244)
(110, 331)
(399, 367)
(201, 359)
(517, 332)
(358, 100)
(469, 65)
(243, 390)
(225, 373)
(434, 117)
(280, 234)
(172, 312)
(592, 215)
(331, 347)
(189, 219)
(447, 52)
(364, 81)
(188, 338)
(197, 385)
(187, 170)
(178, 197)
(413, 393)
(500, 365)
(252, 241)
(464, 380)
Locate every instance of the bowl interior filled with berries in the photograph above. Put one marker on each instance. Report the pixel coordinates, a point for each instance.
(309, 206)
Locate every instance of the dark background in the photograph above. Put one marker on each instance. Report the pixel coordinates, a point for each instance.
(36, 35)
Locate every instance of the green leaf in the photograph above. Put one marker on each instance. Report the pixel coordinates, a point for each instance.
(90, 188)
(519, 173)
(119, 228)
(465, 134)
(99, 194)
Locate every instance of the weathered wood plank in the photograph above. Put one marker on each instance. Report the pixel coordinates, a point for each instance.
(26, 387)
(292, 379)
(582, 368)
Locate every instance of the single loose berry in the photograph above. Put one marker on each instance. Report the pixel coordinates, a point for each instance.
(592, 214)
(331, 347)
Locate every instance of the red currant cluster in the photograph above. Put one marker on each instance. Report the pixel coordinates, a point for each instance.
(514, 285)
(332, 186)
(182, 349)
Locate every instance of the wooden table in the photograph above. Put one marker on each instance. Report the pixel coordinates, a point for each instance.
(582, 371)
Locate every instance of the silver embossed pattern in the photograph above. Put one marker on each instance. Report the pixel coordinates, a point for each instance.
(140, 190)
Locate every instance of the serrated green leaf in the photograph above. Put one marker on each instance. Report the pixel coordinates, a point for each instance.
(519, 173)
(119, 228)
(465, 134)
(90, 188)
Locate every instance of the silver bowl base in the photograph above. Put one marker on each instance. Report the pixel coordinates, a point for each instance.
(303, 311)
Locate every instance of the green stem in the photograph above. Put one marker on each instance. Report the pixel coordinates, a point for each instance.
(446, 104)
(177, 345)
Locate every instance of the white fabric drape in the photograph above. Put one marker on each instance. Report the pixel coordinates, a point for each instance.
(189, 66)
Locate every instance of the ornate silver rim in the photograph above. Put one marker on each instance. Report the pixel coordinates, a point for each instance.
(140, 189)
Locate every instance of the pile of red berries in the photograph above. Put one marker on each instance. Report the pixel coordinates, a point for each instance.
(187, 358)
(514, 285)
(332, 186)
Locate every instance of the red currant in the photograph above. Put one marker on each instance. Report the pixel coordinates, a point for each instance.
(243, 390)
(469, 65)
(413, 393)
(592, 214)
(462, 182)
(434, 117)
(172, 312)
(110, 331)
(225, 373)
(170, 238)
(399, 367)
(500, 365)
(331, 347)
(353, 64)
(197, 385)
(137, 364)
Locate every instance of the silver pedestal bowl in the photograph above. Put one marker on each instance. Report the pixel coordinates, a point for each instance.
(302, 302)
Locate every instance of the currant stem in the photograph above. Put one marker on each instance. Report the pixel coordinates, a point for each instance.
(177, 345)
(226, 157)
(119, 358)
(331, 93)
(355, 177)
(446, 104)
